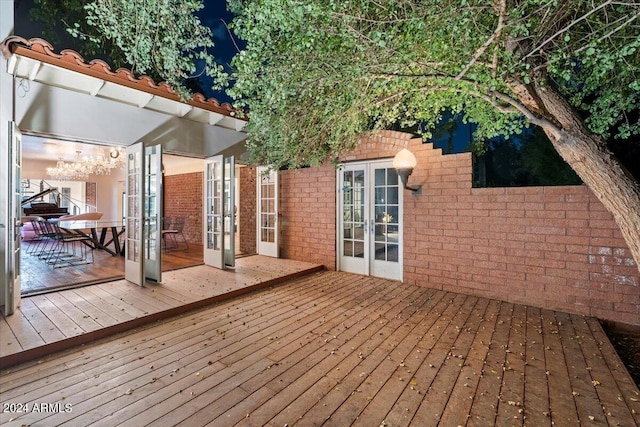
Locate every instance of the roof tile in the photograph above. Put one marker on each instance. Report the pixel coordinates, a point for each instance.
(42, 50)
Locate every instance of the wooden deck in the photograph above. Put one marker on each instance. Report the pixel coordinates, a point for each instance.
(335, 349)
(59, 320)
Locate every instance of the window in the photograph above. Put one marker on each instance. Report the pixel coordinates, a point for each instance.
(66, 197)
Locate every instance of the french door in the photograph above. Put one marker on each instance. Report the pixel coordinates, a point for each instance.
(219, 211)
(267, 214)
(152, 231)
(143, 253)
(11, 192)
(370, 219)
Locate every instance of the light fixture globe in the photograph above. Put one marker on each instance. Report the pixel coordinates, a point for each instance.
(404, 162)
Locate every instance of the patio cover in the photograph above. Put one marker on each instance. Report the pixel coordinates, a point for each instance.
(60, 95)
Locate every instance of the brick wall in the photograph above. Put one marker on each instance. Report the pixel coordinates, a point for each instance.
(183, 197)
(91, 193)
(550, 247)
(307, 215)
(247, 208)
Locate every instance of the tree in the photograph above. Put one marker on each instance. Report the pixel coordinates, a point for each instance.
(60, 17)
(317, 74)
(159, 37)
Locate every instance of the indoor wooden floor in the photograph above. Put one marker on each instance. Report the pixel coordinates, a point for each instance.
(337, 349)
(37, 276)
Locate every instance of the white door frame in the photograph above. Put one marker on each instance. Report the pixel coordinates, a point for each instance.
(143, 195)
(218, 212)
(134, 190)
(369, 219)
(10, 221)
(152, 213)
(213, 217)
(229, 208)
(267, 199)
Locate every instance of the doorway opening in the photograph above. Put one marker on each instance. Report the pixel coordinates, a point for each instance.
(102, 193)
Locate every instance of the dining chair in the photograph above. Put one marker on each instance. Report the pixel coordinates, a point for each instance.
(45, 239)
(177, 228)
(66, 252)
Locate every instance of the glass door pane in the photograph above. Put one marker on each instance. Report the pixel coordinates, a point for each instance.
(152, 209)
(134, 213)
(229, 208)
(386, 218)
(386, 214)
(213, 213)
(267, 212)
(16, 207)
(353, 219)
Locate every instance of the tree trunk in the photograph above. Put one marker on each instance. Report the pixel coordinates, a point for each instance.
(595, 164)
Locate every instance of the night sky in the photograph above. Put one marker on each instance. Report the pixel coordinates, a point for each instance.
(215, 16)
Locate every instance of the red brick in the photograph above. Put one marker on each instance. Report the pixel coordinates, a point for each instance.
(185, 192)
(552, 244)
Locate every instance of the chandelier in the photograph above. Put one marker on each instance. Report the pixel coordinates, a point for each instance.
(83, 166)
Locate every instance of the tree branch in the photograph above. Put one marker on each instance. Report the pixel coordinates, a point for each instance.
(501, 16)
(610, 33)
(496, 34)
(557, 33)
(522, 109)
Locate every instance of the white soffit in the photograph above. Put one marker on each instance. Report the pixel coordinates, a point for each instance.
(42, 72)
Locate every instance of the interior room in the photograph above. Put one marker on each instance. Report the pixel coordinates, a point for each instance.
(46, 164)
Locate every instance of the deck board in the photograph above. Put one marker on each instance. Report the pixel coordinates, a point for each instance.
(356, 367)
(536, 393)
(512, 391)
(607, 394)
(562, 410)
(487, 397)
(40, 322)
(170, 395)
(58, 317)
(579, 372)
(449, 350)
(44, 319)
(459, 405)
(428, 333)
(92, 306)
(78, 316)
(338, 349)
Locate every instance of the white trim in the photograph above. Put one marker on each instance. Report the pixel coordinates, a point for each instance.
(213, 257)
(134, 268)
(267, 248)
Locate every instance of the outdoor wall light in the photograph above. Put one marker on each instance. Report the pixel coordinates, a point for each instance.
(404, 162)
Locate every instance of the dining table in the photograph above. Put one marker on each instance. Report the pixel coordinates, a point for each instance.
(97, 232)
